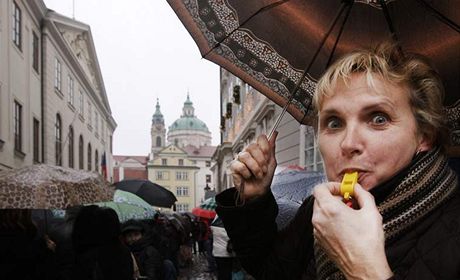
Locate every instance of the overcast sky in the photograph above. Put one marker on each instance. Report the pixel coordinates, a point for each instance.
(146, 53)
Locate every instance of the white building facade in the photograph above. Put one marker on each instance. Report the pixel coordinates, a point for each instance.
(69, 107)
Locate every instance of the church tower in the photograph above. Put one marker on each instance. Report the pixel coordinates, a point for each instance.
(158, 130)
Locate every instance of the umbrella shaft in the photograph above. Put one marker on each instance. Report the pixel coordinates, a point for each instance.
(278, 120)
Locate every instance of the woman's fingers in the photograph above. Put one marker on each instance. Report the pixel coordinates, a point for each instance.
(365, 199)
(237, 167)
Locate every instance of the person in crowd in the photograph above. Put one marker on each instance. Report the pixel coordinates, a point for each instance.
(23, 253)
(195, 235)
(99, 251)
(150, 261)
(379, 113)
(222, 250)
(61, 234)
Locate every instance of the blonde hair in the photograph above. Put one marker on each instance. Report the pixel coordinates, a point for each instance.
(426, 92)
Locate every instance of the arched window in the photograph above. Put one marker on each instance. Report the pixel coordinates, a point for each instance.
(89, 157)
(158, 141)
(81, 153)
(96, 161)
(58, 140)
(71, 147)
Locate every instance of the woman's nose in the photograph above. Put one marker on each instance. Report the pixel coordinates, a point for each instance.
(351, 143)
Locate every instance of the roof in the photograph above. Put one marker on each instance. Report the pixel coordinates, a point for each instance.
(141, 159)
(188, 123)
(203, 151)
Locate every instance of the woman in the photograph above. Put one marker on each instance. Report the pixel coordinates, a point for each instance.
(379, 113)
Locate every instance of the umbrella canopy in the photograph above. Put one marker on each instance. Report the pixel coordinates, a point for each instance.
(207, 209)
(281, 47)
(44, 186)
(290, 188)
(154, 194)
(127, 205)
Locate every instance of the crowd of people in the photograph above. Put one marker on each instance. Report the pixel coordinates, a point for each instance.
(91, 243)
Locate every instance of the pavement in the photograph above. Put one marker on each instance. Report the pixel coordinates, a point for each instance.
(197, 270)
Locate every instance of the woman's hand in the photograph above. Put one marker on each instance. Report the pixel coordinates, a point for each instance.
(352, 238)
(253, 168)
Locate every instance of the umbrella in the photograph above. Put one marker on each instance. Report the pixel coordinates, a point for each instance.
(290, 188)
(207, 209)
(281, 47)
(44, 186)
(127, 205)
(296, 185)
(153, 193)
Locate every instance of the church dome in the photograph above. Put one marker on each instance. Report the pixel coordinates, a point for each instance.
(188, 120)
(188, 123)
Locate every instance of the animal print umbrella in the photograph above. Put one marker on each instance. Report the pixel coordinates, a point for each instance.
(51, 187)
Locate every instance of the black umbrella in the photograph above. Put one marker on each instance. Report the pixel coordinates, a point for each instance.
(154, 194)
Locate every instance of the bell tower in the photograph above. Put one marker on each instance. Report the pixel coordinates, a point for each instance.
(158, 130)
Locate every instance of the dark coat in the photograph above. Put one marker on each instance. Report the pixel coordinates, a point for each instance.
(429, 250)
(23, 256)
(148, 258)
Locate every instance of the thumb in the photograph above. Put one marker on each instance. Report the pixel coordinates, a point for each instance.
(365, 199)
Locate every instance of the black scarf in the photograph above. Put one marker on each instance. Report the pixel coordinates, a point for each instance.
(403, 201)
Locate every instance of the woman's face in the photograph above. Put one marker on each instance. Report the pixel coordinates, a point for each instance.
(369, 130)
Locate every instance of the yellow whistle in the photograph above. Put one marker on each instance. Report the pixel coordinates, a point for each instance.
(348, 183)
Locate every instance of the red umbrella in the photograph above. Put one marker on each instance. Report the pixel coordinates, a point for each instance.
(203, 213)
(207, 209)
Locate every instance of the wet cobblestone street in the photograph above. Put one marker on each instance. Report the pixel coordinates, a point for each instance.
(197, 270)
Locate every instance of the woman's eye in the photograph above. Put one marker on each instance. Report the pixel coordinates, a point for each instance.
(333, 123)
(379, 119)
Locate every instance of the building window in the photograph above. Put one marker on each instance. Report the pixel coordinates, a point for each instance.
(17, 126)
(71, 147)
(89, 157)
(36, 140)
(164, 161)
(80, 153)
(182, 207)
(162, 175)
(96, 161)
(17, 26)
(35, 51)
(182, 175)
(158, 141)
(70, 90)
(81, 108)
(182, 191)
(58, 140)
(96, 119)
(313, 160)
(90, 114)
(57, 74)
(208, 178)
(181, 162)
(208, 163)
(176, 142)
(102, 129)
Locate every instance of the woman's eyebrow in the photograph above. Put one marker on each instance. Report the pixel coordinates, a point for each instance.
(385, 106)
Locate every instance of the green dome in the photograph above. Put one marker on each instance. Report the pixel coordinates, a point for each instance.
(188, 123)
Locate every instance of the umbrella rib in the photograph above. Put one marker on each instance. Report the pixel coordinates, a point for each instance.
(340, 34)
(440, 16)
(263, 9)
(384, 7)
(305, 71)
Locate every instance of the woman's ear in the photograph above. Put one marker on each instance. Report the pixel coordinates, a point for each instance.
(426, 142)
